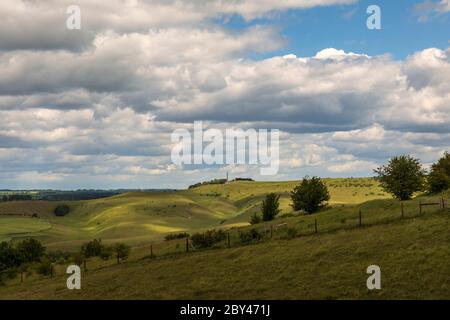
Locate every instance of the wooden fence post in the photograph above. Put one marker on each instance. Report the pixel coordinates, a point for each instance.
(420, 207)
(151, 250)
(360, 219)
(315, 225)
(443, 203)
(228, 240)
(403, 211)
(187, 244)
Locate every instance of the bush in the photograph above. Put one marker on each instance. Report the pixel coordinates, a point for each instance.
(249, 236)
(59, 256)
(401, 177)
(208, 238)
(44, 267)
(173, 236)
(255, 219)
(310, 195)
(61, 210)
(270, 207)
(439, 178)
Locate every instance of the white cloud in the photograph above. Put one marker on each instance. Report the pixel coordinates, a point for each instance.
(100, 111)
(34, 24)
(430, 9)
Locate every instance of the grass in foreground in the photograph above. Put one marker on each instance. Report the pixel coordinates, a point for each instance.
(413, 254)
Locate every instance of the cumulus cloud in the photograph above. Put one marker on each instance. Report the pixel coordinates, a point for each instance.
(430, 9)
(96, 108)
(41, 24)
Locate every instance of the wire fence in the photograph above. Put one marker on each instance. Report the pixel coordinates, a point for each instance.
(293, 227)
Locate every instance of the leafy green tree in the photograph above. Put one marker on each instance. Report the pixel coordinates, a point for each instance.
(9, 257)
(122, 251)
(310, 195)
(30, 250)
(92, 249)
(401, 177)
(439, 178)
(270, 207)
(62, 210)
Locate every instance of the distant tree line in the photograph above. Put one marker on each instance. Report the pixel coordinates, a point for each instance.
(59, 195)
(215, 181)
(16, 197)
(173, 236)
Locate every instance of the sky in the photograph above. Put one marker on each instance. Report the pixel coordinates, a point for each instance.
(96, 107)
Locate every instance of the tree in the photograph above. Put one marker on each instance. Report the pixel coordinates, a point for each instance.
(61, 210)
(9, 257)
(30, 250)
(401, 177)
(310, 195)
(439, 178)
(122, 252)
(270, 207)
(93, 248)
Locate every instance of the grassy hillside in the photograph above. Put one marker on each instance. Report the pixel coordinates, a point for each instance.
(138, 218)
(413, 254)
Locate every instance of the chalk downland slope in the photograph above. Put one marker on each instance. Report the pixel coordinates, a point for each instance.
(137, 218)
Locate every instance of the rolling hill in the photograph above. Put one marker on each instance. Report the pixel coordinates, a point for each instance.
(137, 218)
(413, 254)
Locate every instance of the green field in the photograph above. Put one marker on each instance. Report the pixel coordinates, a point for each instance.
(412, 249)
(21, 226)
(138, 218)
